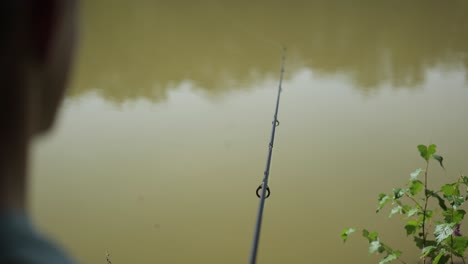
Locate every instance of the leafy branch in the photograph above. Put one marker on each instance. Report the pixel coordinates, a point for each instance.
(448, 242)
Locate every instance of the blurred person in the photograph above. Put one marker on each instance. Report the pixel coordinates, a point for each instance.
(37, 42)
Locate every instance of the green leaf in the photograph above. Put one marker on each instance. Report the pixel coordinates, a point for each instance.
(427, 250)
(431, 150)
(419, 242)
(423, 152)
(443, 231)
(416, 187)
(427, 152)
(398, 193)
(439, 199)
(345, 234)
(456, 201)
(395, 210)
(464, 179)
(370, 236)
(441, 258)
(383, 199)
(440, 159)
(415, 174)
(365, 233)
(454, 216)
(389, 258)
(373, 236)
(411, 227)
(412, 212)
(428, 217)
(374, 246)
(405, 209)
(383, 248)
(459, 245)
(429, 214)
(450, 189)
(458, 216)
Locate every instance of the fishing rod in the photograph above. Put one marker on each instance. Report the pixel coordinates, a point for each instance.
(265, 190)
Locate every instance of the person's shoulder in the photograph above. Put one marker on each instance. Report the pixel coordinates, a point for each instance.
(36, 249)
(21, 244)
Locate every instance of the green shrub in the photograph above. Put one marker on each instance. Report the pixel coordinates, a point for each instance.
(435, 231)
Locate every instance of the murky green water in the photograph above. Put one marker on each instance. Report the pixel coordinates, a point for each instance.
(163, 137)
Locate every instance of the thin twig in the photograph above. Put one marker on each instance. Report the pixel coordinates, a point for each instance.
(416, 202)
(391, 251)
(401, 261)
(425, 209)
(451, 243)
(108, 258)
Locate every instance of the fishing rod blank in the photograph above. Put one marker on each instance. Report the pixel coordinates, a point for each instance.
(265, 190)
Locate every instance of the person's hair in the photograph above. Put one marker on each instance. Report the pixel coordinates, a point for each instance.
(13, 19)
(13, 25)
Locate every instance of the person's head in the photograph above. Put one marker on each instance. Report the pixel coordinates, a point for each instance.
(36, 44)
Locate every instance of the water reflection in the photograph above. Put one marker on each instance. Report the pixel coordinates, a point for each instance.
(143, 50)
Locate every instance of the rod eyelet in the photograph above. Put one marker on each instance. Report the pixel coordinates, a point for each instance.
(260, 188)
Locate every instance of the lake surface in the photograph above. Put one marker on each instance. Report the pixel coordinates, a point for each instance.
(162, 139)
